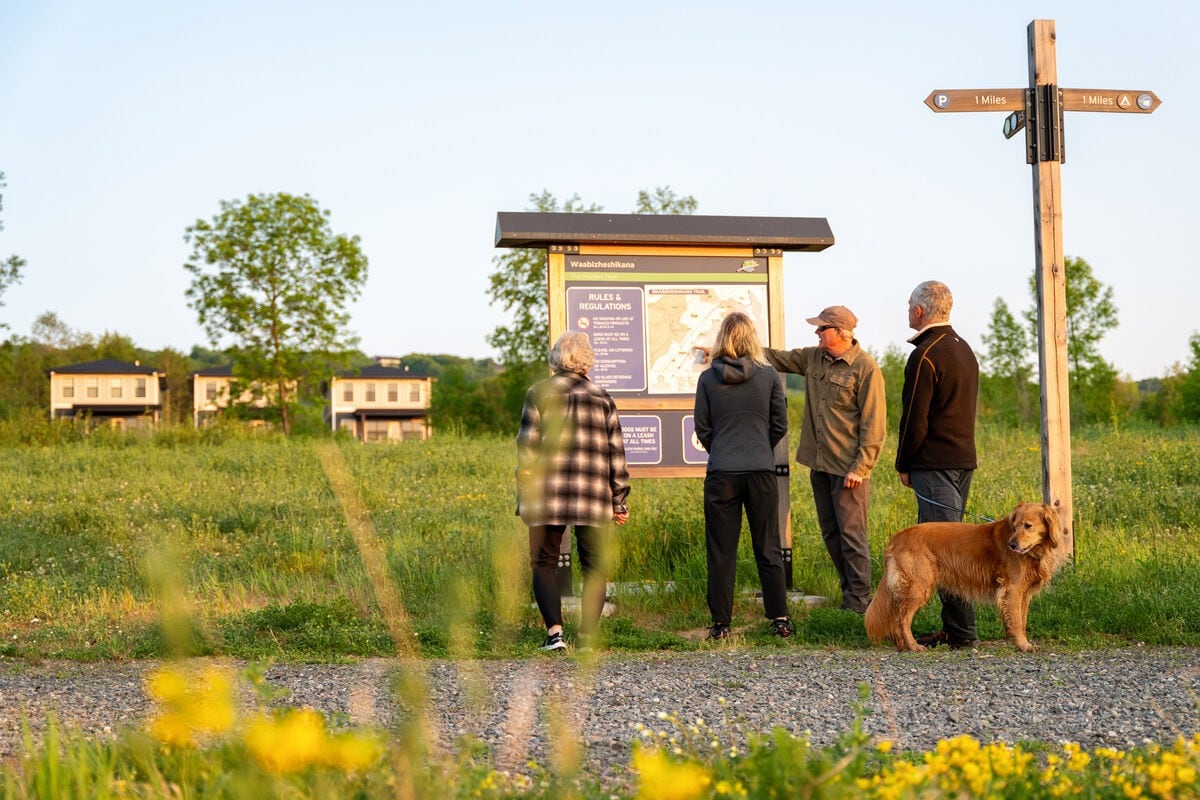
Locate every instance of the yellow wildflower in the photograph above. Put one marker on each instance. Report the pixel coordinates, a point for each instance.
(204, 705)
(286, 744)
(167, 686)
(659, 778)
(171, 729)
(356, 752)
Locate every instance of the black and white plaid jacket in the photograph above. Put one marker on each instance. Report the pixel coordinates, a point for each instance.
(570, 454)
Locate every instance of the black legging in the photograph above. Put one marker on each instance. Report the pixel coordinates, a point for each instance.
(545, 541)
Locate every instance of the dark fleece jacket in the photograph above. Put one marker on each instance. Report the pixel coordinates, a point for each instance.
(741, 412)
(941, 392)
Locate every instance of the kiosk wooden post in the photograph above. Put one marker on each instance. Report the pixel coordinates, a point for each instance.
(648, 289)
(1039, 111)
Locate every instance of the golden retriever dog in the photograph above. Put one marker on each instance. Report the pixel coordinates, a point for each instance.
(1004, 563)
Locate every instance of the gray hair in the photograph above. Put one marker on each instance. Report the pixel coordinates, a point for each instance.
(934, 298)
(572, 353)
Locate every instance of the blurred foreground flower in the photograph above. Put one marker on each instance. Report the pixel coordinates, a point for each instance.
(662, 779)
(286, 743)
(297, 739)
(190, 706)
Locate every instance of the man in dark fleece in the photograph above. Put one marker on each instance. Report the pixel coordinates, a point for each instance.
(935, 454)
(741, 413)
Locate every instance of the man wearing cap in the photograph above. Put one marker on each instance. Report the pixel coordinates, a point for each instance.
(841, 436)
(935, 454)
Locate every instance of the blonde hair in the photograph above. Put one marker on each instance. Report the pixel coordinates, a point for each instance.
(572, 353)
(738, 338)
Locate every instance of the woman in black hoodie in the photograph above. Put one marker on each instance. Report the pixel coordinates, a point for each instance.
(741, 412)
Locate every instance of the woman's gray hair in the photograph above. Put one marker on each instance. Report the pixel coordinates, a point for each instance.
(934, 298)
(572, 353)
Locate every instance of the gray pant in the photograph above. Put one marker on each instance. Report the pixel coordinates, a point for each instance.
(842, 515)
(946, 487)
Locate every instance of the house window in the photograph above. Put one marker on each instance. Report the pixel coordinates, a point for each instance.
(370, 393)
(348, 392)
(210, 390)
(93, 387)
(139, 387)
(393, 392)
(68, 387)
(377, 430)
(114, 387)
(414, 393)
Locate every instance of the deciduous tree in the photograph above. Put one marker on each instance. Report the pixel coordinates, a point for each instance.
(518, 284)
(10, 268)
(271, 279)
(1091, 313)
(1189, 389)
(1007, 363)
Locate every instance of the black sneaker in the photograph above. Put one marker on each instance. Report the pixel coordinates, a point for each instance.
(941, 637)
(554, 641)
(933, 639)
(719, 631)
(783, 628)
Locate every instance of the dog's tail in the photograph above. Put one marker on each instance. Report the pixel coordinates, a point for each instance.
(881, 612)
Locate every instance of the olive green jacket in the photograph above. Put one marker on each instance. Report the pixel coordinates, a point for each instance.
(845, 412)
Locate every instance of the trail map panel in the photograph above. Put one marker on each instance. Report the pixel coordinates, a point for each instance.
(647, 314)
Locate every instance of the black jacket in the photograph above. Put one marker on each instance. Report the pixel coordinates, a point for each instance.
(940, 398)
(741, 413)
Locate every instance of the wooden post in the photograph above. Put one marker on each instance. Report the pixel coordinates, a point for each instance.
(1051, 291)
(1039, 109)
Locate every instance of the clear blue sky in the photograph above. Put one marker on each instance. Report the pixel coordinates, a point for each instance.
(123, 123)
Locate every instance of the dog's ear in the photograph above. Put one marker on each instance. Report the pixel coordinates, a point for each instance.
(1053, 525)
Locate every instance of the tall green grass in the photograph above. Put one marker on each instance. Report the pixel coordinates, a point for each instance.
(118, 545)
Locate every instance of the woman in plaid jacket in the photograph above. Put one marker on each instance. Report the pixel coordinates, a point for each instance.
(570, 471)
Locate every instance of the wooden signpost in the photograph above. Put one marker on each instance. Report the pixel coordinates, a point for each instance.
(1038, 110)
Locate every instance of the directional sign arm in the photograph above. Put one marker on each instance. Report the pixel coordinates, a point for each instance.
(1006, 100)
(1121, 101)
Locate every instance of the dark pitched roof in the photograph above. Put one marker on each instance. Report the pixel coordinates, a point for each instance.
(224, 371)
(376, 371)
(106, 366)
(538, 229)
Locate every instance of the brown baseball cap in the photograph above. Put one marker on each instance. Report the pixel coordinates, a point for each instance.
(837, 316)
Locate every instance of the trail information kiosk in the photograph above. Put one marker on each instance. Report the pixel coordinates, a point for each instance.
(648, 289)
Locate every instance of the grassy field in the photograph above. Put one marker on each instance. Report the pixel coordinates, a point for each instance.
(116, 546)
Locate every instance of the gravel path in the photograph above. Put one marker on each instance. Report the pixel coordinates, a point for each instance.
(1119, 698)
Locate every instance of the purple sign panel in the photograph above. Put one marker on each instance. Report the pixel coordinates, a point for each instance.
(693, 453)
(643, 435)
(615, 319)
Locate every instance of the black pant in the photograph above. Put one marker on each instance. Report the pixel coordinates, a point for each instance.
(946, 487)
(545, 542)
(724, 495)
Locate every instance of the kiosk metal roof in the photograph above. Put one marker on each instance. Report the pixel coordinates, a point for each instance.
(539, 229)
